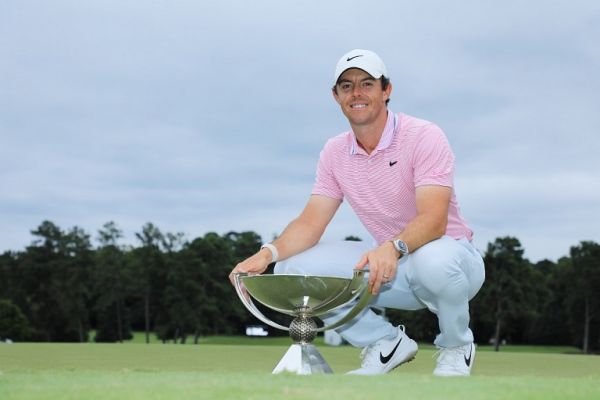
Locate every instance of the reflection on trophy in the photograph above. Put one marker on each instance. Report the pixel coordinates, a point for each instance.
(303, 297)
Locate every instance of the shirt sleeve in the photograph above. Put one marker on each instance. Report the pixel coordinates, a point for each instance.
(325, 182)
(433, 162)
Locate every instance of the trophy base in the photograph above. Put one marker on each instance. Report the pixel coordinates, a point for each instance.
(303, 359)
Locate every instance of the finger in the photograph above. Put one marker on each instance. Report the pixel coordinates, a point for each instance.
(245, 293)
(376, 285)
(373, 271)
(232, 276)
(391, 273)
(379, 279)
(386, 276)
(363, 261)
(234, 271)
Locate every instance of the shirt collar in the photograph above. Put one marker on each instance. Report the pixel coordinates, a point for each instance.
(386, 137)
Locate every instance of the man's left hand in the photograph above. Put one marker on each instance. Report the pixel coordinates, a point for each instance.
(383, 263)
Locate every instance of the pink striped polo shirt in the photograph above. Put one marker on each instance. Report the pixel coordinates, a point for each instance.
(380, 187)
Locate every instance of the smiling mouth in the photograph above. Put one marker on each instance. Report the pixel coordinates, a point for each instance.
(355, 106)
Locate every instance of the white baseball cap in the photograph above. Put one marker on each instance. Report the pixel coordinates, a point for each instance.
(366, 60)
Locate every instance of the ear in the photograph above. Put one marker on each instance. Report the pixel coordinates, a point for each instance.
(387, 92)
(335, 96)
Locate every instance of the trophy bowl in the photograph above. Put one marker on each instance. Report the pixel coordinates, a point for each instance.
(303, 297)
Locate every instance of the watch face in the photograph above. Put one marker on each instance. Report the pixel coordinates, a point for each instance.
(401, 246)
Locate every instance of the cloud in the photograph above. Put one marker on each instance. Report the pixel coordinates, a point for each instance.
(209, 116)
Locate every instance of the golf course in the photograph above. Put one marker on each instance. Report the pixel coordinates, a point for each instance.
(240, 368)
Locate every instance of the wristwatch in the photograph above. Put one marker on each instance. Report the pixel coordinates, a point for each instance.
(400, 246)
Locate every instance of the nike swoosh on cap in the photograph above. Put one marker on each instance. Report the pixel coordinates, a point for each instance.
(352, 58)
(385, 359)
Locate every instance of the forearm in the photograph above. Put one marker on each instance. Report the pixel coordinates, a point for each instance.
(432, 217)
(306, 230)
(298, 236)
(423, 229)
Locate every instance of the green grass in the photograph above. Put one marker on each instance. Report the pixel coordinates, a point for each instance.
(229, 371)
(140, 337)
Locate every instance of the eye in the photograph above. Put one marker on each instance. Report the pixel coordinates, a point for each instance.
(346, 86)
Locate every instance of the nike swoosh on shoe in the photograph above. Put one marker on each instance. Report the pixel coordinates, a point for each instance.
(468, 360)
(386, 359)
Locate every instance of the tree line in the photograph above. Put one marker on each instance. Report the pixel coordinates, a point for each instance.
(62, 288)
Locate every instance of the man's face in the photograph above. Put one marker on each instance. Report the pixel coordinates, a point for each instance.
(361, 97)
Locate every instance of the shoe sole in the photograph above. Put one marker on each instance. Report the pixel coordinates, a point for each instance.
(411, 357)
(402, 363)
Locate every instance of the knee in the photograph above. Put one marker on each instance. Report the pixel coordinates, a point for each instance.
(436, 269)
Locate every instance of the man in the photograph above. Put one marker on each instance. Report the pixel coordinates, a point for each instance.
(396, 172)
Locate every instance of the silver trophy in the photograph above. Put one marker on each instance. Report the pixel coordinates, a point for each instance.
(303, 297)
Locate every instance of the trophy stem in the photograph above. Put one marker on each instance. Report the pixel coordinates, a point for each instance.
(303, 359)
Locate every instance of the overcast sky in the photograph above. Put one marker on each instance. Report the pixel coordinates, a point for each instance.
(203, 116)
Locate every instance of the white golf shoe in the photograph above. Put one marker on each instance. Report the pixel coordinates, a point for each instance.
(456, 361)
(386, 354)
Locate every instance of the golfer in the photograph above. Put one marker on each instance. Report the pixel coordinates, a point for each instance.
(396, 172)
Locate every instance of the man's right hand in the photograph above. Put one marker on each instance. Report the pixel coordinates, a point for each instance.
(253, 265)
(302, 233)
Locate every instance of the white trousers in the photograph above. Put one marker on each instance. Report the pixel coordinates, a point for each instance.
(442, 276)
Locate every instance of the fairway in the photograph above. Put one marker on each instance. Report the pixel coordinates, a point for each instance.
(227, 371)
